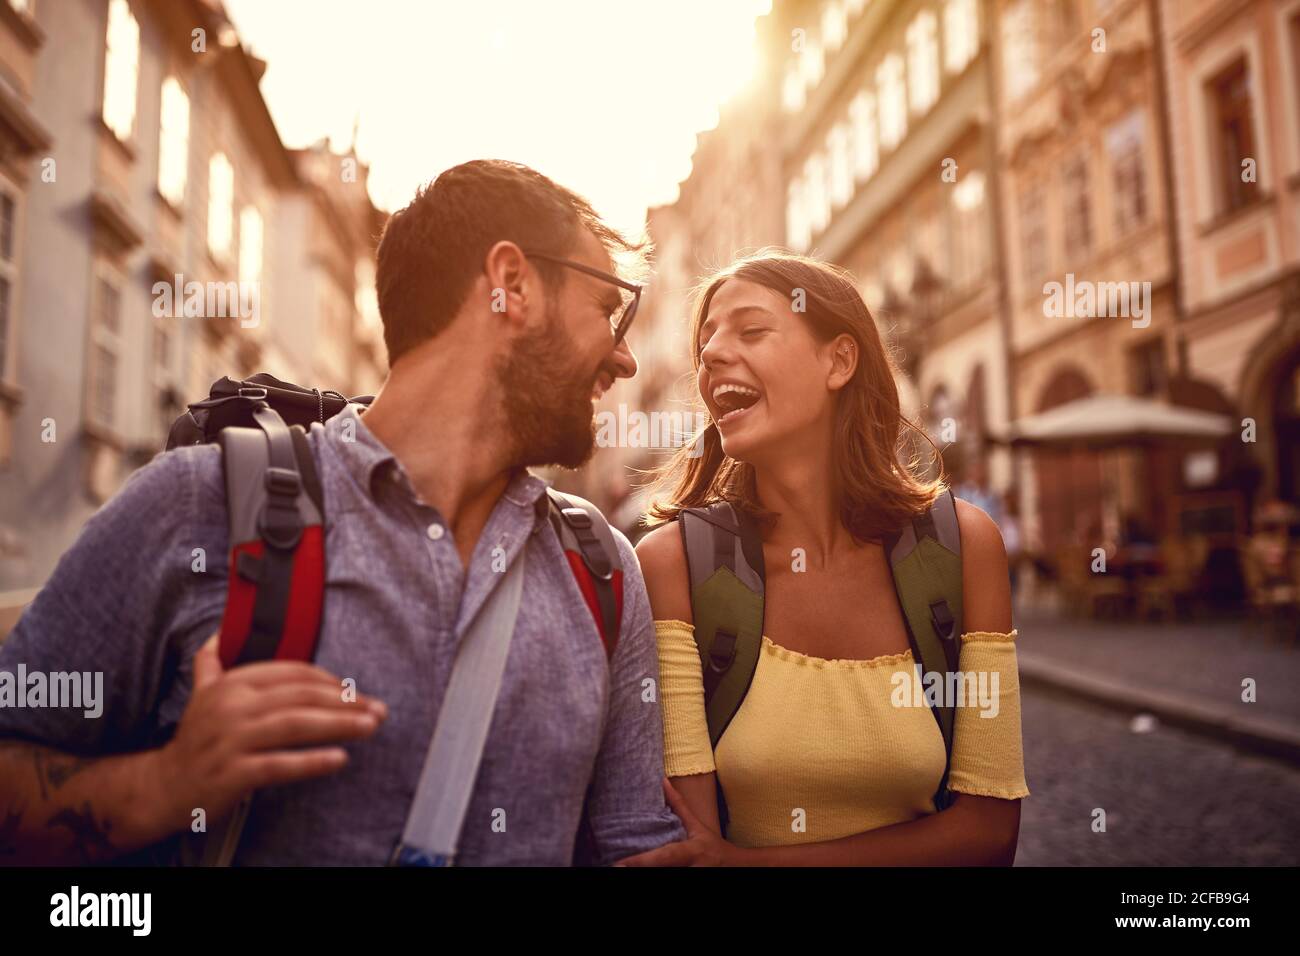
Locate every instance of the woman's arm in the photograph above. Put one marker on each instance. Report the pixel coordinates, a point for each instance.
(663, 566)
(973, 831)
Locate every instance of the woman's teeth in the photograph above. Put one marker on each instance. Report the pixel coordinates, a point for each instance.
(742, 390)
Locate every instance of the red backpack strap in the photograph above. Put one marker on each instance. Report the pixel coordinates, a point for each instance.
(277, 548)
(594, 560)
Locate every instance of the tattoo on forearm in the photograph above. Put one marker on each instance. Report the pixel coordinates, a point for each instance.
(89, 837)
(53, 771)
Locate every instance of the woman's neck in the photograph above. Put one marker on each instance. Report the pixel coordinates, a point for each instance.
(802, 486)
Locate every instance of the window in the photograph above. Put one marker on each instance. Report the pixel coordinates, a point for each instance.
(1128, 182)
(221, 201)
(166, 399)
(961, 34)
(105, 337)
(121, 69)
(1295, 53)
(841, 173)
(817, 200)
(173, 142)
(798, 230)
(1233, 133)
(1078, 220)
(812, 62)
(792, 89)
(922, 62)
(8, 275)
(834, 24)
(250, 245)
(1033, 235)
(892, 101)
(866, 147)
(1147, 368)
(926, 235)
(1019, 50)
(968, 243)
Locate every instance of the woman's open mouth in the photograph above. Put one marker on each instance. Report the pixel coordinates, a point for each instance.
(734, 401)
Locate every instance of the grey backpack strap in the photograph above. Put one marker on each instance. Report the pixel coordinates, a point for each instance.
(584, 532)
(434, 822)
(273, 494)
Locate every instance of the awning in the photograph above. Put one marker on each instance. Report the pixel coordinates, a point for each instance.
(1115, 421)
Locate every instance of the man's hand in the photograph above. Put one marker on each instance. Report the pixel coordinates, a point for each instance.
(702, 847)
(255, 726)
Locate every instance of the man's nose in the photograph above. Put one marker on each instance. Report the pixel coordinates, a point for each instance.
(624, 360)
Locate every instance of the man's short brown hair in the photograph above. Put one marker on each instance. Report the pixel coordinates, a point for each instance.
(433, 249)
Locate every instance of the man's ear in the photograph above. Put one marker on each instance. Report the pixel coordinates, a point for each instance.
(509, 285)
(844, 361)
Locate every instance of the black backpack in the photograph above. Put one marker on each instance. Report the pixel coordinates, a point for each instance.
(277, 543)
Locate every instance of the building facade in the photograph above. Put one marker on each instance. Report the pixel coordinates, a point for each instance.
(155, 235)
(1044, 200)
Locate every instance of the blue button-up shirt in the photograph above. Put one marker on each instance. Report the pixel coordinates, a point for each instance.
(144, 586)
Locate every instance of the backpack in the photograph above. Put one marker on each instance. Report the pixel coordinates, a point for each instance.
(276, 517)
(724, 558)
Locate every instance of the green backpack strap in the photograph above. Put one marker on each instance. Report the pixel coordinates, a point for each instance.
(925, 558)
(724, 557)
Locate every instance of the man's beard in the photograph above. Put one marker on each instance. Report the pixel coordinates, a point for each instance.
(547, 398)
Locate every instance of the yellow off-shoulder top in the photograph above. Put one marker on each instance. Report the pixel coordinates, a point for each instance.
(823, 749)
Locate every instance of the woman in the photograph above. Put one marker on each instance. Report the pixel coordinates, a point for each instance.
(817, 766)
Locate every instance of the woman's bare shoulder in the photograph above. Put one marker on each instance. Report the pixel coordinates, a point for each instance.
(986, 580)
(663, 565)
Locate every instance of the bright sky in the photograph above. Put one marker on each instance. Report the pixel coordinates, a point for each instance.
(604, 96)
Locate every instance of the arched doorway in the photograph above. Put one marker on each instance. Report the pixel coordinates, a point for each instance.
(1069, 481)
(1285, 405)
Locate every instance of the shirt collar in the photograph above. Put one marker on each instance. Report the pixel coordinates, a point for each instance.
(364, 455)
(369, 459)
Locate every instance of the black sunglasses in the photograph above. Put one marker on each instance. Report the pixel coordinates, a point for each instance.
(621, 320)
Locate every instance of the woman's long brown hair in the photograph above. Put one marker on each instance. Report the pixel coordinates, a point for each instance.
(880, 488)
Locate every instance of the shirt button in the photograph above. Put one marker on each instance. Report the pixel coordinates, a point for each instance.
(436, 531)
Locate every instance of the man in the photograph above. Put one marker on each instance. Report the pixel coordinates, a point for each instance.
(498, 339)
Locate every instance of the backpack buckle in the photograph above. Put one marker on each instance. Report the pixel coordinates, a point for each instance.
(722, 652)
(577, 518)
(942, 619)
(283, 481)
(252, 392)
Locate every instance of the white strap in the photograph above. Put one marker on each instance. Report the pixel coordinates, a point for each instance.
(437, 813)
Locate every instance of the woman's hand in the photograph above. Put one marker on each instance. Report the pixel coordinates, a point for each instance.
(702, 847)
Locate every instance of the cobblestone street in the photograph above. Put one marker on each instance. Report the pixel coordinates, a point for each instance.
(1171, 798)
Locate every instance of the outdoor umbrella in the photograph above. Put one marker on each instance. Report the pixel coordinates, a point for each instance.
(1115, 421)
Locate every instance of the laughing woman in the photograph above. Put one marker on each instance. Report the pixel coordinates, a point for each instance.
(819, 764)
